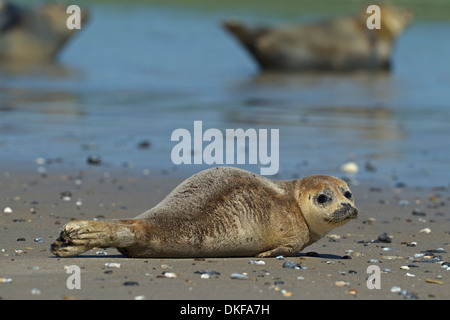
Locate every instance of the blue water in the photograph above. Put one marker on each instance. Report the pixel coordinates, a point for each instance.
(137, 73)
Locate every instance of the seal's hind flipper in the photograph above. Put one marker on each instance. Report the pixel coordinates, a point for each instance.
(82, 235)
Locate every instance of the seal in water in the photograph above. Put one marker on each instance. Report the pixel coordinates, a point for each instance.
(339, 44)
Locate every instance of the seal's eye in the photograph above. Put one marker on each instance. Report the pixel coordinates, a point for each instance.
(348, 195)
(323, 198)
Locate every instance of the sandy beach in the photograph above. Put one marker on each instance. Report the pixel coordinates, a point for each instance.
(402, 230)
(141, 70)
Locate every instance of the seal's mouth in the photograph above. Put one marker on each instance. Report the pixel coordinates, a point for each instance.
(347, 212)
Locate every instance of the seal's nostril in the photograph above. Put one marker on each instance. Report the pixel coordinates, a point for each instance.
(350, 209)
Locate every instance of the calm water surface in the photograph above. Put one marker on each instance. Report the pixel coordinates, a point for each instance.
(137, 73)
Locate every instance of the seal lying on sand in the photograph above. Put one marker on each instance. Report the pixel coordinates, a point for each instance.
(222, 212)
(343, 44)
(34, 34)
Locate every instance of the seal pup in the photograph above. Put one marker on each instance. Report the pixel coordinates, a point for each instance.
(33, 34)
(222, 212)
(340, 44)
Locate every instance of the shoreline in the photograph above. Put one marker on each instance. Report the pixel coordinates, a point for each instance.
(334, 268)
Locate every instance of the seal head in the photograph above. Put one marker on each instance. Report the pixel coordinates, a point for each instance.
(326, 203)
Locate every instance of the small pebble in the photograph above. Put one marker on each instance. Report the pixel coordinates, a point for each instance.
(350, 167)
(404, 267)
(141, 297)
(410, 275)
(112, 265)
(65, 196)
(6, 280)
(431, 259)
(7, 210)
(425, 230)
(42, 170)
(171, 275)
(396, 289)
(432, 251)
(374, 261)
(384, 238)
(94, 160)
(35, 291)
(417, 212)
(333, 236)
(144, 144)
(279, 258)
(131, 283)
(38, 240)
(206, 274)
(392, 257)
(238, 276)
(260, 262)
(291, 265)
(370, 167)
(352, 291)
(370, 221)
(408, 294)
(40, 161)
(341, 283)
(286, 293)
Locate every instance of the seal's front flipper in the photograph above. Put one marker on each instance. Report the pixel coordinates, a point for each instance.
(286, 250)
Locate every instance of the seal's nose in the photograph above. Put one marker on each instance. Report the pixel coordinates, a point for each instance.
(352, 211)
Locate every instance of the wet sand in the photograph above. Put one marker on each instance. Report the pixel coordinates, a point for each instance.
(37, 205)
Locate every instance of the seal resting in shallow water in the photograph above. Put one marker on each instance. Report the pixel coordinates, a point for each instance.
(33, 34)
(222, 212)
(340, 44)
